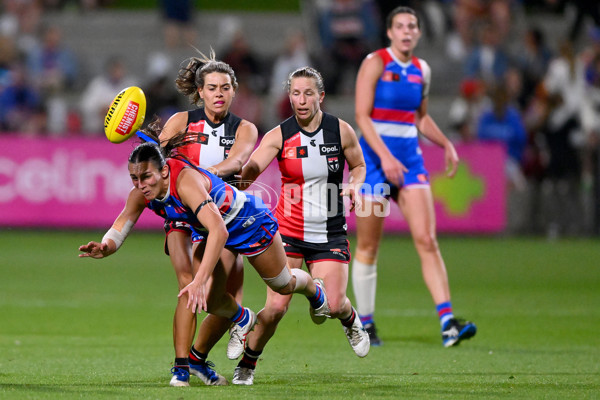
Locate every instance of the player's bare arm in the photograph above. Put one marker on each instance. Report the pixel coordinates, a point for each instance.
(355, 160)
(431, 131)
(262, 156)
(175, 124)
(366, 81)
(245, 140)
(117, 234)
(192, 188)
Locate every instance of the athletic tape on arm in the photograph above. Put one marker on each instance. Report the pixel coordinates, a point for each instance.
(116, 236)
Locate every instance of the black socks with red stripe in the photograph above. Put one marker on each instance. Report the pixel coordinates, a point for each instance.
(249, 359)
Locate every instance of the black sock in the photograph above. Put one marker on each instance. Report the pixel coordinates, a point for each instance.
(250, 358)
(196, 357)
(347, 322)
(182, 363)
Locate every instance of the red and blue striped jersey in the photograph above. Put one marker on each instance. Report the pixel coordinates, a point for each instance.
(228, 199)
(399, 92)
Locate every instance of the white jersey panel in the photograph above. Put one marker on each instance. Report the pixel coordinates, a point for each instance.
(314, 192)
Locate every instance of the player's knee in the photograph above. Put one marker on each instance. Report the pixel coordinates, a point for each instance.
(367, 254)
(336, 305)
(212, 304)
(287, 289)
(216, 304)
(184, 279)
(278, 313)
(368, 243)
(335, 312)
(275, 311)
(426, 241)
(282, 283)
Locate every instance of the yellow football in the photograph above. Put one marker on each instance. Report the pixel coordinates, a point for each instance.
(125, 114)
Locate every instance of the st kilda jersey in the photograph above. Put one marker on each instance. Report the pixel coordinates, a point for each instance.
(310, 207)
(212, 142)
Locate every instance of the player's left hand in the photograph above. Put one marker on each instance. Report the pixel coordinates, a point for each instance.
(196, 293)
(350, 192)
(451, 157)
(213, 171)
(239, 184)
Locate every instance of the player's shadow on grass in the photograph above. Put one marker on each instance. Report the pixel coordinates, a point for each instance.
(389, 339)
(82, 389)
(333, 380)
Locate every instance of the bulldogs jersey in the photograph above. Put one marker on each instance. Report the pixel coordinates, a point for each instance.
(250, 224)
(228, 199)
(310, 207)
(213, 142)
(398, 94)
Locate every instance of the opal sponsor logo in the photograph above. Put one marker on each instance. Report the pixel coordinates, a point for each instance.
(329, 149)
(226, 141)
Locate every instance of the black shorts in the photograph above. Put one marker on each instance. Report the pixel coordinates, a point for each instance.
(179, 226)
(337, 249)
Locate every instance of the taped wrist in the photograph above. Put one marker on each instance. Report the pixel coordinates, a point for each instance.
(118, 236)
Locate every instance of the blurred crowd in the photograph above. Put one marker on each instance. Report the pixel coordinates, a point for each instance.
(540, 98)
(538, 94)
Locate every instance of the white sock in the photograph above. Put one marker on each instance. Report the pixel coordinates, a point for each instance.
(364, 283)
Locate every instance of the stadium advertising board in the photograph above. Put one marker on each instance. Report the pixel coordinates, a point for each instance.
(83, 183)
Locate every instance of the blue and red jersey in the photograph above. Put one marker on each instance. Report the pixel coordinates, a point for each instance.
(227, 199)
(399, 92)
(250, 224)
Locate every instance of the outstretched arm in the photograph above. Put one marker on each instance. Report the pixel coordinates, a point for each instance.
(115, 236)
(262, 157)
(245, 140)
(192, 188)
(175, 124)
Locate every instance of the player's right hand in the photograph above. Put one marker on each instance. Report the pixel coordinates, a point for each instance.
(393, 169)
(94, 250)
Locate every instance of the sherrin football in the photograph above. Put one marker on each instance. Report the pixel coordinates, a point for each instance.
(125, 114)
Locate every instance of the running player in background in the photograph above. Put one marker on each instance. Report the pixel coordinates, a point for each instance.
(312, 148)
(223, 143)
(391, 109)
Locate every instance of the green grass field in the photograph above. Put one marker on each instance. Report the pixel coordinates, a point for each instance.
(82, 328)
